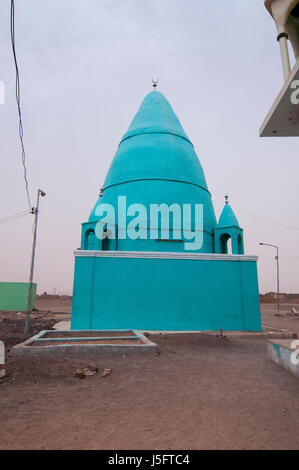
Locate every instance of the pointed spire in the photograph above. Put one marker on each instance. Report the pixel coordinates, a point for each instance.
(227, 217)
(155, 115)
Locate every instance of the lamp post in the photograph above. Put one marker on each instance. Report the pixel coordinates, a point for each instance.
(28, 309)
(277, 272)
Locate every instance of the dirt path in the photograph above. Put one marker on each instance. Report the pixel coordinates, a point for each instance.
(201, 392)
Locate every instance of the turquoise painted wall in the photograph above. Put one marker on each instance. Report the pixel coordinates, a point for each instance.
(165, 294)
(13, 296)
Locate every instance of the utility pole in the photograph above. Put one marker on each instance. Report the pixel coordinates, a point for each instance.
(277, 273)
(28, 310)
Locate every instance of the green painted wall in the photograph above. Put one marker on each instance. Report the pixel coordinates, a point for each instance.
(13, 295)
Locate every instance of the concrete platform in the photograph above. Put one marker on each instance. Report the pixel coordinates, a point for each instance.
(82, 343)
(267, 332)
(85, 343)
(286, 353)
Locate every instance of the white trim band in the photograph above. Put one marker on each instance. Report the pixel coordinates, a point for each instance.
(162, 255)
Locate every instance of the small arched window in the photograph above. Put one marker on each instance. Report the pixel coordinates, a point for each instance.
(90, 240)
(225, 243)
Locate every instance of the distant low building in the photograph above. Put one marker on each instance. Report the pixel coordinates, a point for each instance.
(271, 297)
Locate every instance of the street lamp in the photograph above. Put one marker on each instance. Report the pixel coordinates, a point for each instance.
(277, 272)
(34, 211)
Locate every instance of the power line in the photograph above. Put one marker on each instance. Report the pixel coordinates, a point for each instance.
(265, 220)
(15, 216)
(18, 96)
(11, 220)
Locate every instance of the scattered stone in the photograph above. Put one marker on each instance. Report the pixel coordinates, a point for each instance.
(87, 372)
(2, 374)
(293, 312)
(90, 370)
(79, 373)
(92, 367)
(106, 372)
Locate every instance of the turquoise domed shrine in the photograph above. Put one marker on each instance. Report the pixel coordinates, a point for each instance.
(155, 163)
(152, 255)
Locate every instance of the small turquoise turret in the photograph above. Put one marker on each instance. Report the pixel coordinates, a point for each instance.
(228, 228)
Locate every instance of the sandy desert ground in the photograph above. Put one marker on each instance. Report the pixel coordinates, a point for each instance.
(200, 392)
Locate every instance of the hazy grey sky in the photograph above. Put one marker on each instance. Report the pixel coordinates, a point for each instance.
(85, 67)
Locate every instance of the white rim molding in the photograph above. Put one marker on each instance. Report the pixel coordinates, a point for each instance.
(162, 255)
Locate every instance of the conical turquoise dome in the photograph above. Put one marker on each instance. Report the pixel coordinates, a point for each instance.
(156, 163)
(227, 218)
(155, 115)
(155, 147)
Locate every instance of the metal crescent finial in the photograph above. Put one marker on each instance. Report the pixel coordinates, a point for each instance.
(226, 199)
(155, 83)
